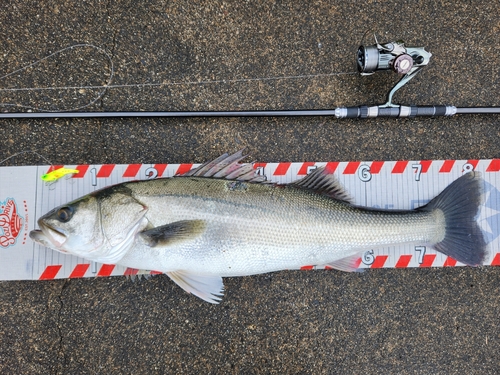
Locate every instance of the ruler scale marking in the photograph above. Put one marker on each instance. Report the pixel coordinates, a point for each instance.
(393, 184)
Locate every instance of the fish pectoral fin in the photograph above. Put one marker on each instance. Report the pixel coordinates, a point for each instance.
(174, 232)
(347, 264)
(208, 288)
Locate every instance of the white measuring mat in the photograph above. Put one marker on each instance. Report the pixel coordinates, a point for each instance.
(405, 185)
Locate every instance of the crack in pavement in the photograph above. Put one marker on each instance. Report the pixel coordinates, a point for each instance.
(114, 33)
(60, 352)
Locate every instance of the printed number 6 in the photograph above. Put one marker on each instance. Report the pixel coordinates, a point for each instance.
(368, 257)
(364, 173)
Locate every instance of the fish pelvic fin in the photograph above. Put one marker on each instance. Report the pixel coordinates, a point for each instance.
(173, 232)
(228, 167)
(459, 202)
(208, 288)
(321, 182)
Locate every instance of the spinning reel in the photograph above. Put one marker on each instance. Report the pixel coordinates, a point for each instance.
(395, 56)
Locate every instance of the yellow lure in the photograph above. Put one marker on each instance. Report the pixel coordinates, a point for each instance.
(57, 174)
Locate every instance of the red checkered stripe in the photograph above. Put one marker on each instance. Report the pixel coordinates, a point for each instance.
(83, 270)
(280, 172)
(139, 171)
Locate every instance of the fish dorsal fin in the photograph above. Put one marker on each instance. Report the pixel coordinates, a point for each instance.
(173, 232)
(228, 167)
(321, 182)
(208, 288)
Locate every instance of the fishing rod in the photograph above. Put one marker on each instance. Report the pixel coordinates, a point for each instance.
(392, 56)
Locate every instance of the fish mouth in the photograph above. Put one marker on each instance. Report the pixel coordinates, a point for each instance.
(49, 236)
(39, 237)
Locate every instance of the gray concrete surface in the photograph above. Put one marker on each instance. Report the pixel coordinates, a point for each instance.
(417, 321)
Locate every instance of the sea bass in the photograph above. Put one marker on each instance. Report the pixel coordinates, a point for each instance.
(222, 220)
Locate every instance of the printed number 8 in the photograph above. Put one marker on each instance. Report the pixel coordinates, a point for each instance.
(468, 167)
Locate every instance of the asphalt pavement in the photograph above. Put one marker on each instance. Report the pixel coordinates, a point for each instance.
(248, 55)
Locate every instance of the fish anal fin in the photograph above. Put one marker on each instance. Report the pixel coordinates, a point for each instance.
(136, 274)
(324, 183)
(173, 232)
(207, 287)
(347, 264)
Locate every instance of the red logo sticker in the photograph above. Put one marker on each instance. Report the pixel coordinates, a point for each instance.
(11, 223)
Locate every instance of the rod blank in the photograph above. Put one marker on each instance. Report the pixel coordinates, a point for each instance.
(353, 113)
(478, 110)
(47, 115)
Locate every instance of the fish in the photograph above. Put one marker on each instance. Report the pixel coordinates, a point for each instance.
(58, 173)
(222, 219)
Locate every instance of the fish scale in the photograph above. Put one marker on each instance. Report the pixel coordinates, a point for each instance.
(298, 216)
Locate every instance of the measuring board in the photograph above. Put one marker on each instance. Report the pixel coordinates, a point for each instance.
(403, 184)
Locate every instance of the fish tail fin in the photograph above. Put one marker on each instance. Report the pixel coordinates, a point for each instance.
(459, 202)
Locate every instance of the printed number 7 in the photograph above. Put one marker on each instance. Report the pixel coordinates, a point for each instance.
(418, 171)
(421, 253)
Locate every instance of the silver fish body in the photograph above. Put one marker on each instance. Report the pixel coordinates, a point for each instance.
(256, 228)
(203, 226)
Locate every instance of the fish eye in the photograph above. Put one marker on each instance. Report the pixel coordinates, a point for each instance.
(64, 214)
